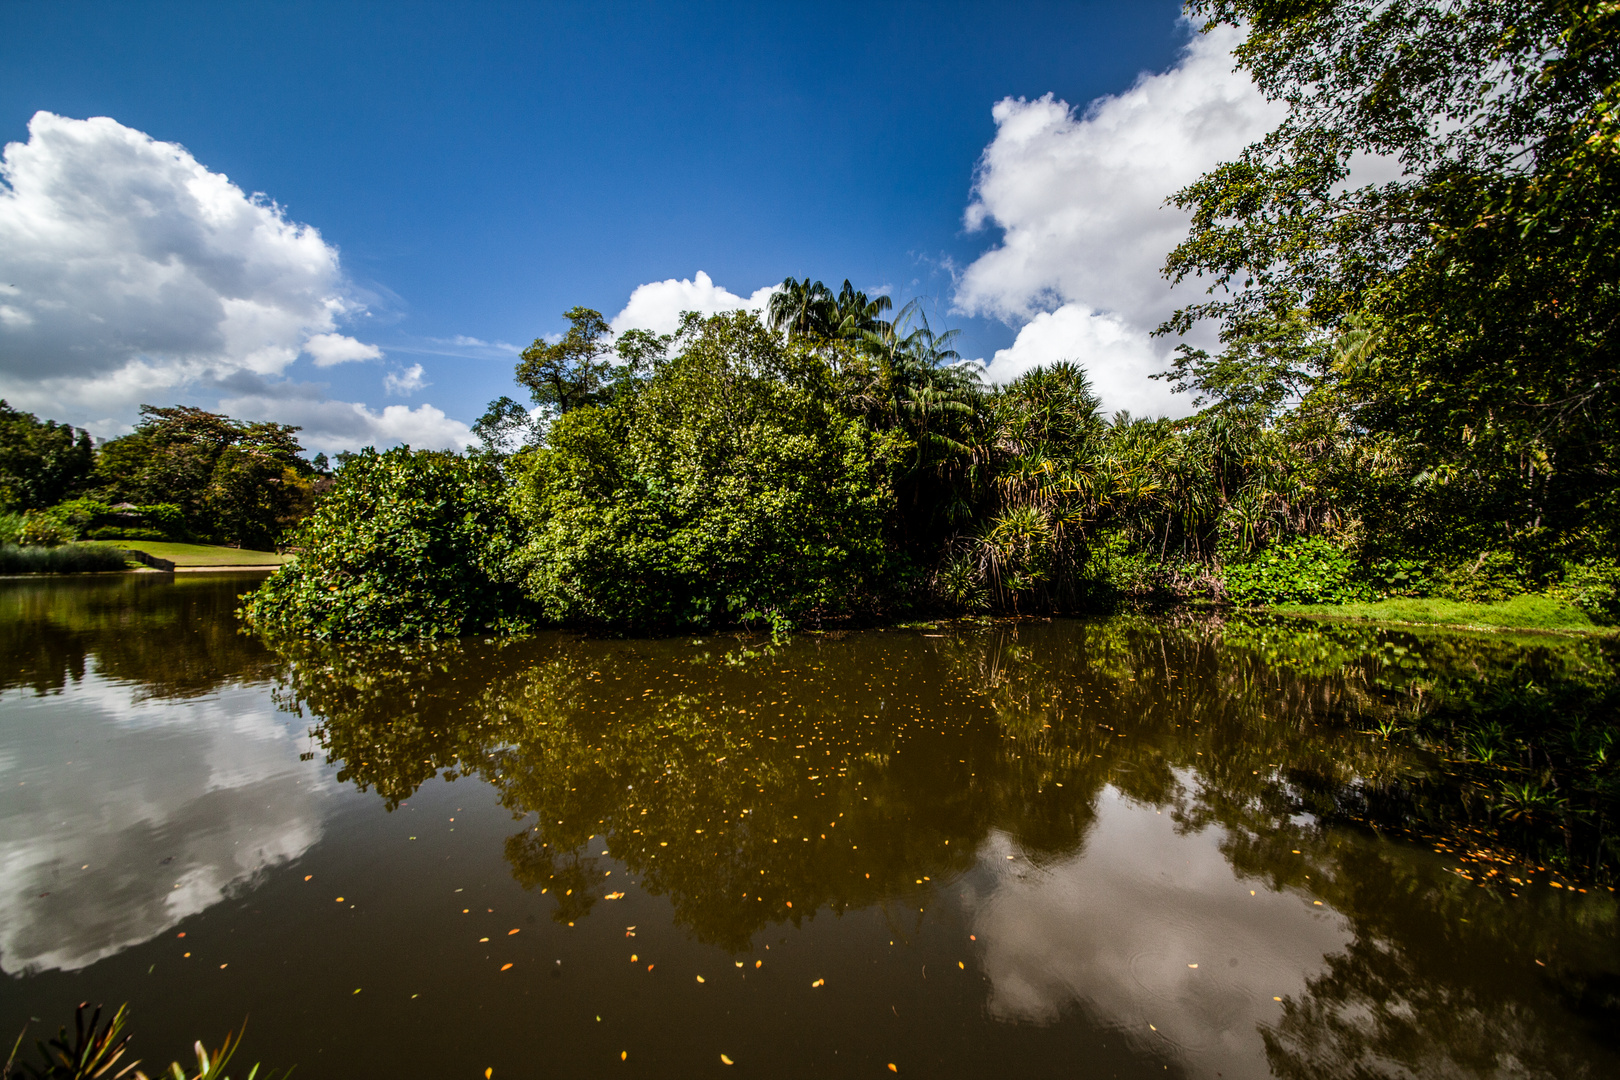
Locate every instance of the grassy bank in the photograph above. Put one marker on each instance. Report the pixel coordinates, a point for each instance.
(67, 559)
(1530, 611)
(199, 554)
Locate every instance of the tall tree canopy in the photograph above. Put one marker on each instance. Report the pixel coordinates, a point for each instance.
(233, 480)
(42, 462)
(811, 311)
(573, 371)
(1483, 262)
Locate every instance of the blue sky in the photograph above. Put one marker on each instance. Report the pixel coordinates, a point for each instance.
(475, 169)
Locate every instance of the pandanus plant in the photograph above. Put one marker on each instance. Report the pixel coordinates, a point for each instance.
(95, 1051)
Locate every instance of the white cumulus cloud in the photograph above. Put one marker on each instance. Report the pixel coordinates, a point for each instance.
(331, 426)
(405, 382)
(329, 349)
(1117, 356)
(132, 268)
(657, 305)
(1079, 198)
(131, 273)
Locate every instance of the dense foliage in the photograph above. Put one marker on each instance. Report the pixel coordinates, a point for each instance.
(234, 481)
(66, 559)
(1456, 325)
(183, 474)
(406, 544)
(41, 462)
(727, 479)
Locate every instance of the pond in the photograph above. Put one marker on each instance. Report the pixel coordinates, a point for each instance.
(1132, 846)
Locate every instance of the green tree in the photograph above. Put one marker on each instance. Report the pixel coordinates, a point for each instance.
(41, 462)
(732, 480)
(574, 371)
(1488, 266)
(236, 481)
(406, 544)
(505, 427)
(810, 310)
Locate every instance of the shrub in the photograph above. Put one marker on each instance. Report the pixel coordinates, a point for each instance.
(41, 528)
(730, 483)
(64, 559)
(1594, 587)
(1399, 578)
(115, 532)
(1485, 579)
(406, 544)
(1304, 570)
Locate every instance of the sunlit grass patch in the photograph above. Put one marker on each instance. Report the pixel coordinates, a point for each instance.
(200, 554)
(1528, 611)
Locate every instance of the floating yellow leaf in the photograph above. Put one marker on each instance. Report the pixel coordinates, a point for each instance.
(727, 1060)
(623, 1054)
(340, 900)
(505, 966)
(759, 963)
(1192, 965)
(488, 1073)
(700, 978)
(609, 896)
(632, 958)
(961, 965)
(892, 1067)
(818, 982)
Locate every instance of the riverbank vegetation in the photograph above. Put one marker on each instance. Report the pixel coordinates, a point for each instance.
(1414, 396)
(183, 475)
(65, 559)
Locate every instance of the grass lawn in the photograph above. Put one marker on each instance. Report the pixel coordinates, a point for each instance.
(200, 554)
(1526, 612)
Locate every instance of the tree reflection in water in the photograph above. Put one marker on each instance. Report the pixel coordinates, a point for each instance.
(168, 637)
(755, 785)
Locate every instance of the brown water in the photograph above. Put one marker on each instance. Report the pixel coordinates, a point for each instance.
(1123, 847)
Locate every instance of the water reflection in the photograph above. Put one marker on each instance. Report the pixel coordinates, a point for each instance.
(1112, 802)
(143, 777)
(1351, 833)
(162, 636)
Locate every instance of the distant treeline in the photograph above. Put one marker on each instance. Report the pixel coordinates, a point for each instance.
(184, 474)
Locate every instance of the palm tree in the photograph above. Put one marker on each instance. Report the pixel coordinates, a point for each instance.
(801, 309)
(854, 315)
(808, 309)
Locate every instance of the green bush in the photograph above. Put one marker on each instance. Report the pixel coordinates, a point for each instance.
(1593, 586)
(41, 528)
(731, 482)
(1390, 578)
(1488, 577)
(115, 532)
(11, 527)
(1304, 570)
(64, 559)
(406, 544)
